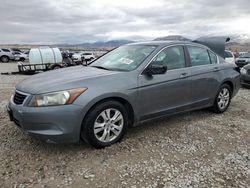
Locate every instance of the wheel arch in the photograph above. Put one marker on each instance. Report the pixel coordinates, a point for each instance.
(121, 99)
(215, 107)
(230, 83)
(4, 56)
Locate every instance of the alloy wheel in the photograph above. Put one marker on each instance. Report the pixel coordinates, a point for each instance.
(223, 98)
(5, 59)
(108, 125)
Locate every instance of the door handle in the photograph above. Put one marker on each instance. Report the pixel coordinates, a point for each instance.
(216, 69)
(184, 75)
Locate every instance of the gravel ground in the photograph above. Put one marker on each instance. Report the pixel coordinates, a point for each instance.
(196, 149)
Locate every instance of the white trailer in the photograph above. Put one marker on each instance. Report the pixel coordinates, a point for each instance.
(42, 59)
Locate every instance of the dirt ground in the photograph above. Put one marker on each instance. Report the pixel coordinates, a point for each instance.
(196, 149)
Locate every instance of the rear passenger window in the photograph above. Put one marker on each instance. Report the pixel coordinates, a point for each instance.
(198, 56)
(172, 57)
(213, 57)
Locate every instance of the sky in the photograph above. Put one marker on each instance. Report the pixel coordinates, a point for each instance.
(79, 21)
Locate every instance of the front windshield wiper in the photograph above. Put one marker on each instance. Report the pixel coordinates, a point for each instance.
(100, 67)
(113, 69)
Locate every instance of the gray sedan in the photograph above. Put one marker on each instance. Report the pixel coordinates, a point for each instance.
(130, 84)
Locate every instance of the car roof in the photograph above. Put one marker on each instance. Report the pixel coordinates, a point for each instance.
(167, 43)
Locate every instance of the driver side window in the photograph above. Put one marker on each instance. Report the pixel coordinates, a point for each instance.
(172, 58)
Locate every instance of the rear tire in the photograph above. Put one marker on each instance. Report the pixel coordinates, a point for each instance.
(105, 124)
(223, 99)
(5, 59)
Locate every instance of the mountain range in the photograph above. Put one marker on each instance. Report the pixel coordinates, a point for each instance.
(97, 45)
(240, 39)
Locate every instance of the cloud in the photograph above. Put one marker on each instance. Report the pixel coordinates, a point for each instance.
(77, 21)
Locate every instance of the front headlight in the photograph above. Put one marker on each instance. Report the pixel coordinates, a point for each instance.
(243, 71)
(56, 98)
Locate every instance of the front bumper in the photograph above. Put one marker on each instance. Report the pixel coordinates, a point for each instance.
(245, 80)
(56, 124)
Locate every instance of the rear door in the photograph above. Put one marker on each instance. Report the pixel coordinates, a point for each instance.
(204, 75)
(165, 93)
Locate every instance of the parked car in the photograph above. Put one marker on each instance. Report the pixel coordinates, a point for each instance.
(6, 55)
(88, 56)
(245, 75)
(19, 56)
(83, 56)
(229, 57)
(243, 59)
(128, 85)
(77, 57)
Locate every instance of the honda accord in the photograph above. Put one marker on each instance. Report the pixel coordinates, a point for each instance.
(130, 84)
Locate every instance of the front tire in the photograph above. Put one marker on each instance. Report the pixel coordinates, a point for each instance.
(105, 124)
(5, 59)
(223, 99)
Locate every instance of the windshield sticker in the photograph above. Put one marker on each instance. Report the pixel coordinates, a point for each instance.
(126, 61)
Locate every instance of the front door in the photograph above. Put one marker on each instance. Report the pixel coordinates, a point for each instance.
(165, 93)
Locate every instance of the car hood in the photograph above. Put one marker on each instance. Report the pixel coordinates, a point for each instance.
(65, 78)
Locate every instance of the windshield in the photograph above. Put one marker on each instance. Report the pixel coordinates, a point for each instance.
(125, 58)
(246, 55)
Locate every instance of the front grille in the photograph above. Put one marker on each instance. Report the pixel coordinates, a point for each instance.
(19, 98)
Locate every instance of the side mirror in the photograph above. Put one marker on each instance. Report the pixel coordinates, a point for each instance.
(155, 69)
